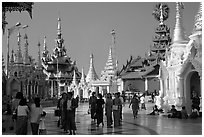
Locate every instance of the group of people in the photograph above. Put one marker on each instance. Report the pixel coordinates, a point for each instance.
(24, 112)
(113, 109)
(67, 108)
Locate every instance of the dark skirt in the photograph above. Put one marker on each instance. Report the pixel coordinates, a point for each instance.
(99, 116)
(21, 125)
(70, 120)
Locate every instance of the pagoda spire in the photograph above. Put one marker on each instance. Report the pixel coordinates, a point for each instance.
(161, 15)
(39, 57)
(91, 76)
(26, 56)
(59, 50)
(178, 36)
(74, 81)
(82, 76)
(110, 64)
(19, 54)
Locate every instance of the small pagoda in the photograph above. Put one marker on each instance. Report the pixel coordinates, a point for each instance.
(58, 66)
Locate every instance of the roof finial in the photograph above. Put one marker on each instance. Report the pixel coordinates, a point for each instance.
(59, 27)
(179, 30)
(161, 14)
(113, 36)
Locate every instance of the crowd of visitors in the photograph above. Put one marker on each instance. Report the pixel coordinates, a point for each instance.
(24, 112)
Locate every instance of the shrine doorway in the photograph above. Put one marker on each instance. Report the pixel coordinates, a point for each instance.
(193, 85)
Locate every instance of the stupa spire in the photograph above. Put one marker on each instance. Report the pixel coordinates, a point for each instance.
(178, 36)
(26, 56)
(91, 76)
(82, 76)
(74, 81)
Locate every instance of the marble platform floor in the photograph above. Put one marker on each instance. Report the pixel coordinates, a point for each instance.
(143, 125)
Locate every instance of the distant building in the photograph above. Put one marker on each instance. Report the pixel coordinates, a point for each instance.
(141, 74)
(23, 75)
(58, 66)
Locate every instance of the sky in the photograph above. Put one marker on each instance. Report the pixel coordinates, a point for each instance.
(86, 28)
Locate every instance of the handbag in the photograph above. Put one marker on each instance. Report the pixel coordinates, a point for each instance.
(57, 112)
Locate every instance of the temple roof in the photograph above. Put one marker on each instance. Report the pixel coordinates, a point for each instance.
(131, 75)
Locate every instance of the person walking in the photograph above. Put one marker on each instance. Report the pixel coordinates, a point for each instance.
(35, 114)
(99, 110)
(142, 101)
(135, 105)
(121, 106)
(70, 106)
(22, 117)
(108, 110)
(116, 110)
(92, 105)
(61, 110)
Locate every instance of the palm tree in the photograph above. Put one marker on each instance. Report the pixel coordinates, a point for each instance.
(157, 11)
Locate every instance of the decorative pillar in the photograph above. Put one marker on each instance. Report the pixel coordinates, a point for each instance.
(180, 90)
(52, 90)
(146, 84)
(108, 89)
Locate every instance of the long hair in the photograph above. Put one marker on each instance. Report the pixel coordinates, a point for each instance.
(37, 101)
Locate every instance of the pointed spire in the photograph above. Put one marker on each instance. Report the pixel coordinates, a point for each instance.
(198, 20)
(91, 76)
(19, 54)
(82, 76)
(178, 36)
(74, 81)
(45, 51)
(44, 44)
(161, 15)
(110, 64)
(59, 27)
(39, 57)
(26, 56)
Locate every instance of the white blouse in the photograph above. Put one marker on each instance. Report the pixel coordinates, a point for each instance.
(22, 110)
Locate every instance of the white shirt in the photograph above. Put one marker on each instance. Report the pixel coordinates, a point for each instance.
(142, 99)
(22, 110)
(35, 113)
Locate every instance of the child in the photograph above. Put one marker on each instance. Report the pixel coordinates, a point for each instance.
(173, 112)
(184, 114)
(42, 128)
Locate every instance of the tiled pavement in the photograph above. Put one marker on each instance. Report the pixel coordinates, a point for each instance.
(143, 125)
